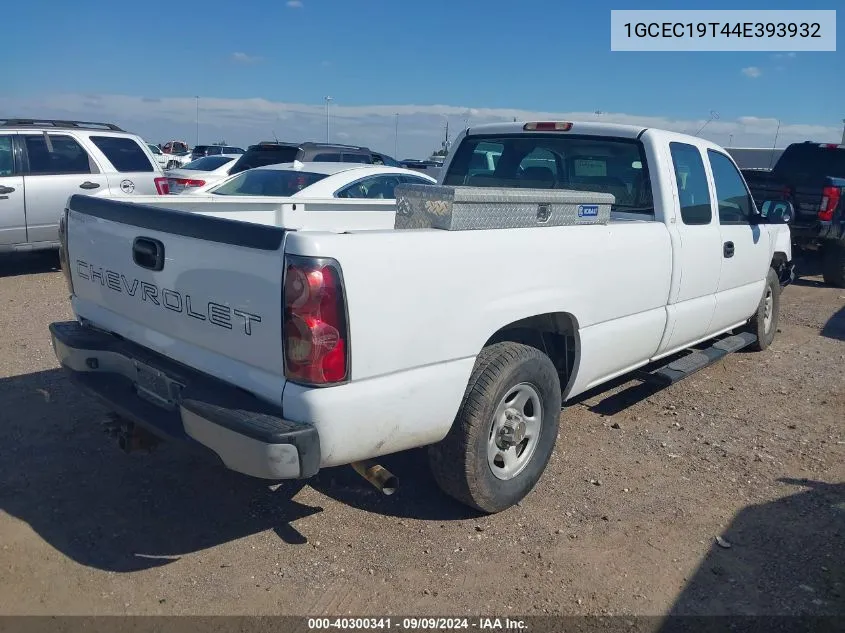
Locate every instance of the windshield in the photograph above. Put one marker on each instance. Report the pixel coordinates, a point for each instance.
(810, 158)
(555, 161)
(263, 155)
(154, 149)
(208, 163)
(267, 182)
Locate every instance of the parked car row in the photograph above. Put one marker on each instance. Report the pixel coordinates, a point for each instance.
(43, 162)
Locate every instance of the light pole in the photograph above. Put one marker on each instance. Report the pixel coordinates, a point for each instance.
(396, 138)
(714, 116)
(843, 131)
(198, 120)
(774, 144)
(730, 140)
(328, 135)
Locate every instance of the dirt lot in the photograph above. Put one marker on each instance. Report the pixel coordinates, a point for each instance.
(623, 521)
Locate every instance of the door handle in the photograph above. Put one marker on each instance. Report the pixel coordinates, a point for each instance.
(88, 185)
(728, 249)
(148, 253)
(4, 189)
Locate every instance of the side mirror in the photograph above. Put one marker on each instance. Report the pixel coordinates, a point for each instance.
(777, 211)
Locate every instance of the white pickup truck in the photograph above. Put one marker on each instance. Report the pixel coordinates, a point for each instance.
(285, 348)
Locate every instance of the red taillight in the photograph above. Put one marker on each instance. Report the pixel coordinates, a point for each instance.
(830, 200)
(162, 186)
(189, 182)
(548, 126)
(315, 335)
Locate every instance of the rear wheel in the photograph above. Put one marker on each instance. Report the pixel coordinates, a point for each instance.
(764, 323)
(505, 430)
(833, 263)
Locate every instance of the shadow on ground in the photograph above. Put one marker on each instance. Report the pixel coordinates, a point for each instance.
(835, 326)
(15, 264)
(786, 558)
(104, 509)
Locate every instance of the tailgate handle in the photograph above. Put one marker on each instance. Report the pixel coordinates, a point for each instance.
(148, 253)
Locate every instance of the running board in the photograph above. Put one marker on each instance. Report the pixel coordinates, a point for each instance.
(699, 359)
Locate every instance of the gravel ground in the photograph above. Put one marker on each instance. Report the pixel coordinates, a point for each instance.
(625, 519)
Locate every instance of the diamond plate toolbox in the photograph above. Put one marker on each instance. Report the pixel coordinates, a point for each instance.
(469, 208)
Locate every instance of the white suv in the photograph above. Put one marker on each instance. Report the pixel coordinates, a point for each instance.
(43, 162)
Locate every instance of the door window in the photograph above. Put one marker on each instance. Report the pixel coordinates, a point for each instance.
(731, 192)
(356, 158)
(414, 180)
(56, 154)
(693, 191)
(7, 159)
(326, 158)
(374, 188)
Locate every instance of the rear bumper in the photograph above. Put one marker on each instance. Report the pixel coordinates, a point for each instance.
(818, 230)
(175, 402)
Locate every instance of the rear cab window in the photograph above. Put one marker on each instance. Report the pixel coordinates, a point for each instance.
(125, 154)
(557, 161)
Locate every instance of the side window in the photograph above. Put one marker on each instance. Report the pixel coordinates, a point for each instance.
(693, 192)
(57, 154)
(7, 158)
(413, 180)
(124, 153)
(374, 188)
(326, 158)
(731, 192)
(356, 158)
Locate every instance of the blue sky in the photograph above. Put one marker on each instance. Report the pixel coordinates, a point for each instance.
(275, 61)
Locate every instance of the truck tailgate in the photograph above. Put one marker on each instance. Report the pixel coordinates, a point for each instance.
(203, 291)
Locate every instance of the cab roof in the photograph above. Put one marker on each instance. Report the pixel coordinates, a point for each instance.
(578, 127)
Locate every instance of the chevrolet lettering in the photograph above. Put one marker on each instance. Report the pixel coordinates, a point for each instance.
(218, 314)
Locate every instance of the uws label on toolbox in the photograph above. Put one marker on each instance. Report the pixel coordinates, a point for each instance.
(588, 210)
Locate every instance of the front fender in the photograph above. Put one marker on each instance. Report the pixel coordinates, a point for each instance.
(781, 241)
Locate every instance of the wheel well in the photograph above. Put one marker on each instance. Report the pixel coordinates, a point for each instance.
(778, 260)
(555, 334)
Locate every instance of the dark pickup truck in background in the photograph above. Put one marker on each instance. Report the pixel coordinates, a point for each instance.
(812, 177)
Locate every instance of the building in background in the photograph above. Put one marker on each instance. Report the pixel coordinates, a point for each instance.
(755, 157)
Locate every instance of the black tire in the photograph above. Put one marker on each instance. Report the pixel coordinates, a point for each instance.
(833, 263)
(758, 325)
(460, 461)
